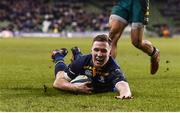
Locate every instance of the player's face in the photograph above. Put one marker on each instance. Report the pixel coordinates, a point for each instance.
(100, 53)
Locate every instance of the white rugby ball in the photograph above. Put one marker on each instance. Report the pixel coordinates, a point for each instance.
(80, 79)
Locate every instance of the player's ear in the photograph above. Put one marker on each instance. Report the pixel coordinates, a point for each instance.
(91, 49)
(110, 47)
(110, 50)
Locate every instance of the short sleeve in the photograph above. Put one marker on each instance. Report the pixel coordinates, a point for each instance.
(118, 75)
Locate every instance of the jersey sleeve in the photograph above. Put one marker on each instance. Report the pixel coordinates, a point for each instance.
(74, 68)
(118, 75)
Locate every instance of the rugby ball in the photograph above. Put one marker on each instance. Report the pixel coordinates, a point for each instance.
(81, 79)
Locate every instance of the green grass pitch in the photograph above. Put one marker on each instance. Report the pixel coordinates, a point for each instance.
(25, 67)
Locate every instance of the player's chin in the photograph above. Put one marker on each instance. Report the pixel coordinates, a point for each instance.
(97, 64)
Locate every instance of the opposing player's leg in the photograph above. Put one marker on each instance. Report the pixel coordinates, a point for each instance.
(145, 45)
(155, 59)
(58, 58)
(116, 28)
(139, 19)
(118, 20)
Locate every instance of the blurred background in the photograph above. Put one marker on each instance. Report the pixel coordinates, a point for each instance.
(68, 18)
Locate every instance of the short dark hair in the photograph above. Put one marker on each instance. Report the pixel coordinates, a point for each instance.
(102, 38)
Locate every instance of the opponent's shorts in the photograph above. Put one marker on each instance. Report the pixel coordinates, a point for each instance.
(132, 11)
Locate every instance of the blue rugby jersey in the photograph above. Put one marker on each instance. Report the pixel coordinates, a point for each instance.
(103, 79)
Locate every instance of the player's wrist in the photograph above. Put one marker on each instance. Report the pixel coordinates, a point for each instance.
(75, 88)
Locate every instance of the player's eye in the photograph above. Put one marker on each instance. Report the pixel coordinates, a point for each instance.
(96, 49)
(102, 50)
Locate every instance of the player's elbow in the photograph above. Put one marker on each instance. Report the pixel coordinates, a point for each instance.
(57, 85)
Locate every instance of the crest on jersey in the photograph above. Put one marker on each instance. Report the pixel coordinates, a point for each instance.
(88, 72)
(101, 79)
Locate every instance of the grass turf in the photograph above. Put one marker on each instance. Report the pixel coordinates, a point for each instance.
(25, 67)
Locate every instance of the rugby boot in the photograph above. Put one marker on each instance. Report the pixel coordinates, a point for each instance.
(75, 52)
(61, 53)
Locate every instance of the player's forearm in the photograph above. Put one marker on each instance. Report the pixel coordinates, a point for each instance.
(62, 83)
(123, 88)
(65, 85)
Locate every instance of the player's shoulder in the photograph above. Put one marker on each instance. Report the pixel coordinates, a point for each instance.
(112, 63)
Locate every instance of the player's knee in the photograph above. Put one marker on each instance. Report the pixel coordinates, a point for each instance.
(137, 43)
(114, 34)
(115, 31)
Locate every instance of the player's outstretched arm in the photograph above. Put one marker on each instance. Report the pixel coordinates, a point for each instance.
(62, 82)
(124, 90)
